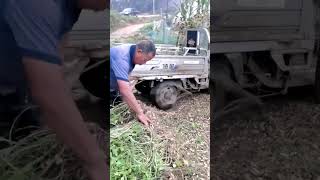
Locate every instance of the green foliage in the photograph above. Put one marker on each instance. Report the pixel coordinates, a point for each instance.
(147, 32)
(147, 29)
(192, 14)
(120, 114)
(157, 35)
(171, 36)
(134, 152)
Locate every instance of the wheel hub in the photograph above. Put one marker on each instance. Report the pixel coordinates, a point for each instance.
(169, 95)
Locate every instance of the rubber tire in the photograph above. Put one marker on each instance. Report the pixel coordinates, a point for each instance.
(143, 87)
(158, 94)
(317, 83)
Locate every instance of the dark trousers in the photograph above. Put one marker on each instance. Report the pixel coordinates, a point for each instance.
(115, 97)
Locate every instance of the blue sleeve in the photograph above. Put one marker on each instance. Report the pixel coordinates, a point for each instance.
(120, 69)
(35, 26)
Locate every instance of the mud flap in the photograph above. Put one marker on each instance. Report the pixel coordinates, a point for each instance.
(94, 79)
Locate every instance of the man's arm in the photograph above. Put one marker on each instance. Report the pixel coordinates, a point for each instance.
(36, 33)
(50, 92)
(62, 44)
(126, 92)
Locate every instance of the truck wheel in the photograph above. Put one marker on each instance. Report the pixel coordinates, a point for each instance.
(317, 82)
(143, 87)
(165, 94)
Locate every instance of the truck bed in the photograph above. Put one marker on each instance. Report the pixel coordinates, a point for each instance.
(168, 65)
(260, 20)
(91, 28)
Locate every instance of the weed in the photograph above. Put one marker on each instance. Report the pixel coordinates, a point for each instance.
(134, 151)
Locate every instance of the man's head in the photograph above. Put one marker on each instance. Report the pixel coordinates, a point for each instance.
(96, 5)
(145, 51)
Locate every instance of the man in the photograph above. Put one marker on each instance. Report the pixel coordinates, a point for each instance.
(31, 35)
(122, 60)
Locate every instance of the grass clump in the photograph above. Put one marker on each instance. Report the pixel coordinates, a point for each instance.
(40, 156)
(135, 152)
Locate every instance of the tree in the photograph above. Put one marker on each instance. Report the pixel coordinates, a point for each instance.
(192, 14)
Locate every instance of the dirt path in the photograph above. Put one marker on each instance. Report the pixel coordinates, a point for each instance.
(186, 129)
(126, 31)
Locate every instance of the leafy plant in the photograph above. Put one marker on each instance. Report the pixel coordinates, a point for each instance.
(135, 153)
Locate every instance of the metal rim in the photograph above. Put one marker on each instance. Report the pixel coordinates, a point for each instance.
(168, 95)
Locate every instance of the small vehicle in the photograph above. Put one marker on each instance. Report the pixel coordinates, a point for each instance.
(175, 71)
(130, 12)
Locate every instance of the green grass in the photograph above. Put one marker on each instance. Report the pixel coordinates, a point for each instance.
(135, 153)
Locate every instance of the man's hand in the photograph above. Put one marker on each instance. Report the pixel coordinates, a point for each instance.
(144, 119)
(130, 99)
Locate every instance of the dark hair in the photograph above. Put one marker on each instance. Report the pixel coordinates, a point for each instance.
(147, 46)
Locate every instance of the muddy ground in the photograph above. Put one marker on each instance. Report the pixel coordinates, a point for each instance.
(286, 145)
(185, 129)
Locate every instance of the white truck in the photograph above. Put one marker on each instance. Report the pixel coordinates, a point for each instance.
(176, 71)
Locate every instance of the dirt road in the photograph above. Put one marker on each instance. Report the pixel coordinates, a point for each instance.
(126, 31)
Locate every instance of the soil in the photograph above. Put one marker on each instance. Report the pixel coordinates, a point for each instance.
(284, 145)
(185, 128)
(126, 31)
